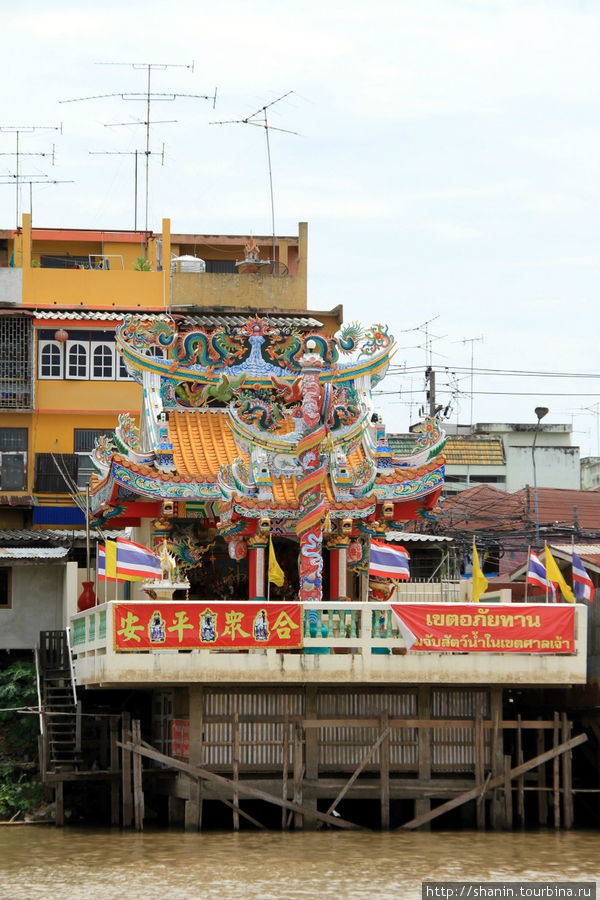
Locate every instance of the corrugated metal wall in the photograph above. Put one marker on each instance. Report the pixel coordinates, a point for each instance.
(452, 749)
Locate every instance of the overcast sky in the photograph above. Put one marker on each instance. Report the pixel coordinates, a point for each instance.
(447, 162)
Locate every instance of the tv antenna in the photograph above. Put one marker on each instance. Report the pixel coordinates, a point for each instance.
(18, 130)
(136, 154)
(472, 342)
(260, 120)
(148, 97)
(34, 179)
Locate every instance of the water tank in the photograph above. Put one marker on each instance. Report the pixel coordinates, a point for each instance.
(188, 264)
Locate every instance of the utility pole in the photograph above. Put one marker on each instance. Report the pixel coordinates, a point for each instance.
(430, 379)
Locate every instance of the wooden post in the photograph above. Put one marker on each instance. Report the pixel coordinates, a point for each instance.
(497, 755)
(508, 806)
(479, 770)
(138, 792)
(235, 764)
(298, 773)
(384, 771)
(60, 806)
(423, 804)
(286, 754)
(126, 771)
(556, 774)
(521, 778)
(114, 767)
(542, 799)
(311, 752)
(567, 775)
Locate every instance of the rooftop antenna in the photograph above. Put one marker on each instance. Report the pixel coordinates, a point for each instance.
(260, 120)
(147, 97)
(18, 130)
(472, 342)
(134, 153)
(34, 179)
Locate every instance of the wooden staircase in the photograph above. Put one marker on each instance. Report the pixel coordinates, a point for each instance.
(58, 699)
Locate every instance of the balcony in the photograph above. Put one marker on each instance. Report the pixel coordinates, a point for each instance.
(357, 643)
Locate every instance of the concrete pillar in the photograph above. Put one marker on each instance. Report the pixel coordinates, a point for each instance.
(26, 246)
(311, 754)
(193, 806)
(303, 250)
(166, 262)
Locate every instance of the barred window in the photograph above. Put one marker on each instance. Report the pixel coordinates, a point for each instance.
(16, 362)
(13, 459)
(54, 474)
(84, 440)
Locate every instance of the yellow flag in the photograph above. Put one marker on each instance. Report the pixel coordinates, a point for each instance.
(554, 574)
(276, 575)
(480, 582)
(110, 548)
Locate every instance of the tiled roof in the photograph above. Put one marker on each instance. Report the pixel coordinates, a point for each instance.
(465, 450)
(33, 552)
(402, 444)
(588, 553)
(75, 315)
(219, 321)
(202, 443)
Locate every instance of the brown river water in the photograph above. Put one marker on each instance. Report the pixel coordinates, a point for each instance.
(85, 864)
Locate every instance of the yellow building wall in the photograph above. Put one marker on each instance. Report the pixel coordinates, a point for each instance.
(93, 289)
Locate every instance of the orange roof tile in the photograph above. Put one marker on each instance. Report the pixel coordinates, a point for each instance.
(202, 443)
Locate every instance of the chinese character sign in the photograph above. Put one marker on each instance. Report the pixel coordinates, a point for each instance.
(189, 626)
(469, 628)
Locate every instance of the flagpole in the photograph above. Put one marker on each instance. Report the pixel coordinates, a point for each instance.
(96, 574)
(547, 580)
(527, 573)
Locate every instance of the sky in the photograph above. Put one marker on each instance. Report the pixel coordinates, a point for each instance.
(446, 158)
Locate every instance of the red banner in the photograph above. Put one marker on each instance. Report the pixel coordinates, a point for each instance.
(475, 628)
(189, 626)
(180, 737)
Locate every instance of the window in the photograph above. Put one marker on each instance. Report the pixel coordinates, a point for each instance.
(77, 359)
(84, 440)
(122, 371)
(16, 362)
(103, 361)
(54, 474)
(51, 359)
(13, 456)
(5, 594)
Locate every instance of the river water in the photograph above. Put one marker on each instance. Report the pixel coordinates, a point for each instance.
(85, 864)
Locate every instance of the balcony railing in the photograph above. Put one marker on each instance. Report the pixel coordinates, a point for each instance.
(349, 642)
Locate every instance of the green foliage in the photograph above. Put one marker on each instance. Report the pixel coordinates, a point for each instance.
(17, 792)
(17, 690)
(142, 265)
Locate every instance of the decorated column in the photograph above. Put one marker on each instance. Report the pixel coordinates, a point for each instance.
(313, 507)
(257, 546)
(338, 567)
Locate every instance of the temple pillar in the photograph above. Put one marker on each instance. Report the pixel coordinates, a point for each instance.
(257, 546)
(161, 529)
(338, 567)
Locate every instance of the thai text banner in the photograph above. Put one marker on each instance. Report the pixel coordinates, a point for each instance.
(474, 628)
(189, 626)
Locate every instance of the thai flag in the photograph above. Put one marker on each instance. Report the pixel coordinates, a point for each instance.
(136, 562)
(536, 573)
(389, 562)
(583, 587)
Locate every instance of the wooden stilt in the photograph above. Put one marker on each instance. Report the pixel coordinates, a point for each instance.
(60, 806)
(479, 753)
(236, 769)
(384, 771)
(496, 782)
(497, 761)
(567, 775)
(556, 774)
(138, 793)
(521, 778)
(298, 773)
(542, 798)
(114, 767)
(126, 771)
(286, 755)
(423, 804)
(508, 804)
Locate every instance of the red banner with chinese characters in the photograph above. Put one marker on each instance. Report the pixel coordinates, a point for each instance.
(189, 626)
(475, 628)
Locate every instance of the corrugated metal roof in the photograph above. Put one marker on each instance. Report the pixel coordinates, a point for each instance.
(55, 535)
(91, 315)
(408, 536)
(33, 552)
(205, 320)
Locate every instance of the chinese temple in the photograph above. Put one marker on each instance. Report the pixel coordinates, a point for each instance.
(257, 432)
